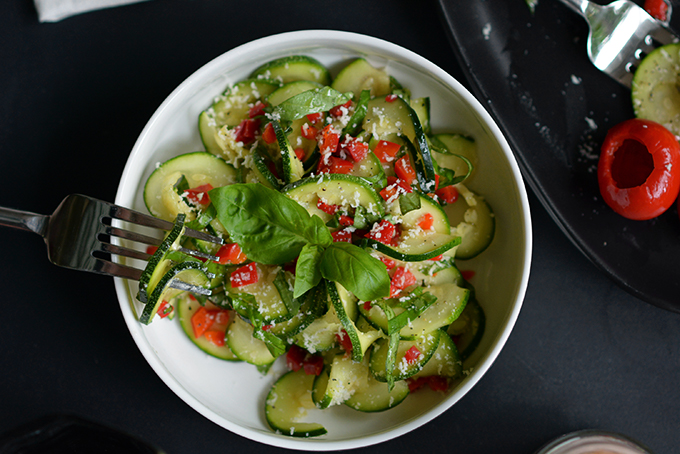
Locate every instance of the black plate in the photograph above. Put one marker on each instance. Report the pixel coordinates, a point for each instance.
(532, 73)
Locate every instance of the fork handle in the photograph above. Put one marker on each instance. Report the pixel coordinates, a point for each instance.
(578, 6)
(24, 220)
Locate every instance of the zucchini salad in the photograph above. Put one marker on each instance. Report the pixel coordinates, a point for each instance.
(344, 219)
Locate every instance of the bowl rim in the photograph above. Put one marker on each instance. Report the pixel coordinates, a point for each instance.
(307, 37)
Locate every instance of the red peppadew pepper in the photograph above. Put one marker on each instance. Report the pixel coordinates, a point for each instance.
(639, 169)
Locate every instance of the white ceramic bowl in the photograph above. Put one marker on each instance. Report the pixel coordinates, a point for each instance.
(232, 394)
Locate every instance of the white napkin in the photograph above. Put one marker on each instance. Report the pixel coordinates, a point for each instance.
(56, 10)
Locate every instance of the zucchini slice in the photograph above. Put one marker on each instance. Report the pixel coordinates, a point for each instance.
(403, 369)
(286, 405)
(231, 108)
(293, 170)
(295, 67)
(361, 75)
(456, 145)
(246, 347)
(655, 87)
(338, 382)
(474, 222)
(445, 362)
(186, 308)
(416, 248)
(468, 329)
(199, 168)
(335, 189)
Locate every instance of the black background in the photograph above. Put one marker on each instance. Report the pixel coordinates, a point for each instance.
(74, 96)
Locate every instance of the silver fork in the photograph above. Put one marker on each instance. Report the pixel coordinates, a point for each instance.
(621, 34)
(79, 236)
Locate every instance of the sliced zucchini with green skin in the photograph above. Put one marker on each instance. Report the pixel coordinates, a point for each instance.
(191, 272)
(286, 403)
(445, 362)
(158, 264)
(360, 75)
(416, 248)
(345, 305)
(186, 308)
(451, 300)
(246, 347)
(655, 87)
(474, 222)
(421, 106)
(295, 67)
(397, 117)
(309, 311)
(375, 396)
(269, 303)
(338, 382)
(320, 335)
(231, 108)
(370, 168)
(261, 170)
(468, 329)
(335, 189)
(198, 168)
(403, 369)
(293, 170)
(456, 145)
(410, 220)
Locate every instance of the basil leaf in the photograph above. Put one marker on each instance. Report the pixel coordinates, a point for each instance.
(286, 293)
(355, 124)
(269, 227)
(309, 102)
(356, 270)
(307, 272)
(409, 202)
(391, 357)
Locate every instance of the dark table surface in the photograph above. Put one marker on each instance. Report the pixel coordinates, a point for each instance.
(74, 95)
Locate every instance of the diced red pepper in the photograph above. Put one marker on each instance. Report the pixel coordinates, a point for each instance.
(269, 135)
(151, 250)
(394, 188)
(345, 220)
(344, 341)
(199, 194)
(329, 141)
(300, 153)
(414, 384)
(313, 364)
(202, 320)
(246, 130)
(368, 305)
(437, 258)
(467, 274)
(404, 170)
(327, 207)
(215, 337)
(386, 150)
(357, 149)
(315, 117)
(438, 383)
(426, 221)
(342, 235)
(391, 98)
(295, 357)
(338, 111)
(384, 231)
(246, 275)
(222, 318)
(339, 165)
(266, 327)
(412, 355)
(257, 109)
(230, 254)
(164, 309)
(448, 194)
(658, 9)
(308, 132)
(389, 263)
(401, 279)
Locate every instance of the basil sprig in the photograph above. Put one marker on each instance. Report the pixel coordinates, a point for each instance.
(272, 229)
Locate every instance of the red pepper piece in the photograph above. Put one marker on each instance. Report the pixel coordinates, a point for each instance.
(313, 364)
(199, 194)
(412, 355)
(404, 170)
(357, 149)
(315, 117)
(339, 165)
(448, 194)
(386, 150)
(269, 135)
(230, 254)
(391, 98)
(389, 263)
(246, 130)
(245, 275)
(401, 279)
(164, 309)
(295, 357)
(330, 139)
(342, 235)
(215, 337)
(345, 220)
(327, 207)
(384, 231)
(202, 320)
(344, 341)
(467, 274)
(658, 9)
(308, 132)
(257, 110)
(300, 153)
(339, 111)
(426, 221)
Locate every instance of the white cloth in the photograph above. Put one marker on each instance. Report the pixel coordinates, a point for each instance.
(56, 10)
